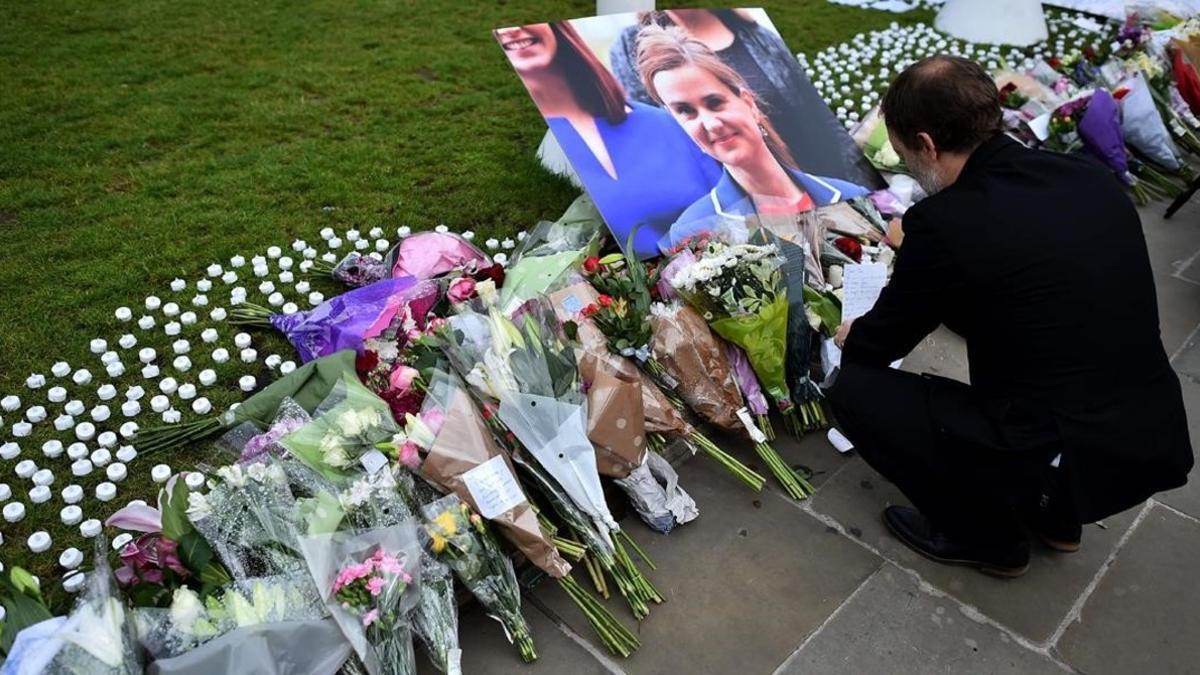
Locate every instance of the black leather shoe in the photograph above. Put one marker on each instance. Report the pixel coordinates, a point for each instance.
(1064, 537)
(918, 533)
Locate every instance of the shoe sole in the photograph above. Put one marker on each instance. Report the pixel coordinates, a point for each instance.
(990, 570)
(1060, 546)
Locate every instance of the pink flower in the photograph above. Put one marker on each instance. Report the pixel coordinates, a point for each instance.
(435, 324)
(434, 419)
(370, 617)
(410, 456)
(402, 378)
(461, 289)
(375, 585)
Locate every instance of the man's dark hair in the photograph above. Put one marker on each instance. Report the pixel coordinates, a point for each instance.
(950, 98)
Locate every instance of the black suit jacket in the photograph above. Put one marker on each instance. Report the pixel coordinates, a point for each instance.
(1038, 260)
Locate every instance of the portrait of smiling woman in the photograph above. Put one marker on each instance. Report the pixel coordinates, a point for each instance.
(721, 114)
(637, 164)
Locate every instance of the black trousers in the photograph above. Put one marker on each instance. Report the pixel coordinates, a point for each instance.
(979, 474)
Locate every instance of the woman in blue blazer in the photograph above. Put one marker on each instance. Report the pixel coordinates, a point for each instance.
(721, 114)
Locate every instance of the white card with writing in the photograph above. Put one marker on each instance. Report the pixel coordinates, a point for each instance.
(861, 286)
(373, 461)
(493, 487)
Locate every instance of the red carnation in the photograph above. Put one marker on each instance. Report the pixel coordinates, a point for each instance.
(605, 300)
(850, 247)
(366, 362)
(591, 264)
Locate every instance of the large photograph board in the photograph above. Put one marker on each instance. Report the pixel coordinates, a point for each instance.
(675, 117)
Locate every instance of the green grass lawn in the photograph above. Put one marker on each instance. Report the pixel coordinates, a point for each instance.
(140, 142)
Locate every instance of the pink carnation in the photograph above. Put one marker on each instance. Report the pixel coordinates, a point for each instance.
(375, 585)
(370, 617)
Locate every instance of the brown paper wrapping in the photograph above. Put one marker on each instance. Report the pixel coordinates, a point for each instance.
(686, 347)
(593, 356)
(464, 443)
(616, 424)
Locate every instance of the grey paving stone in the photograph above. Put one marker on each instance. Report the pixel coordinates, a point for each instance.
(485, 649)
(1187, 498)
(744, 584)
(891, 626)
(941, 353)
(1170, 243)
(1142, 616)
(1033, 605)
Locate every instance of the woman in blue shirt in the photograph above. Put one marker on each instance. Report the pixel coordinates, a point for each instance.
(638, 165)
(720, 113)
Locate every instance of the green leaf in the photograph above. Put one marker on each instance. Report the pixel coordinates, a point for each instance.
(195, 552)
(612, 258)
(24, 582)
(215, 576)
(174, 517)
(149, 595)
(22, 608)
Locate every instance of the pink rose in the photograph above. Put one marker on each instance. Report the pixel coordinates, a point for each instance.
(461, 290)
(434, 419)
(402, 378)
(410, 456)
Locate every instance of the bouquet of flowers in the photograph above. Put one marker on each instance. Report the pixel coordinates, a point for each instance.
(342, 322)
(421, 256)
(98, 635)
(739, 290)
(461, 540)
(531, 372)
(369, 580)
(449, 445)
(345, 433)
(550, 252)
(660, 415)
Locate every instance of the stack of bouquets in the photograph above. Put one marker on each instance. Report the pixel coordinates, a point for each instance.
(739, 290)
(659, 415)
(528, 374)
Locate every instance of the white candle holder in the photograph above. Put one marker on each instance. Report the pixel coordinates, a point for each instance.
(290, 308)
(101, 457)
(72, 494)
(98, 346)
(126, 453)
(72, 557)
(85, 431)
(129, 430)
(147, 354)
(214, 270)
(171, 416)
(187, 391)
(106, 491)
(194, 480)
(153, 303)
(70, 515)
(218, 314)
(182, 364)
(160, 403)
(14, 512)
(150, 371)
(201, 406)
(266, 288)
(115, 370)
(10, 403)
(247, 383)
(205, 285)
(101, 413)
(52, 448)
(160, 473)
(109, 357)
(36, 414)
(123, 314)
(168, 385)
(74, 408)
(5, 492)
(56, 394)
(208, 377)
(74, 582)
(89, 528)
(81, 468)
(189, 318)
(107, 439)
(63, 422)
(39, 542)
(172, 329)
(76, 451)
(249, 355)
(209, 335)
(25, 468)
(303, 287)
(220, 355)
(9, 450)
(135, 393)
(131, 408)
(242, 340)
(22, 429)
(116, 472)
(171, 309)
(81, 377)
(146, 322)
(178, 284)
(43, 477)
(237, 261)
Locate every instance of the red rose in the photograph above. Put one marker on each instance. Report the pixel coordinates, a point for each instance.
(850, 247)
(1121, 93)
(1008, 89)
(1089, 53)
(1055, 62)
(605, 300)
(590, 310)
(591, 264)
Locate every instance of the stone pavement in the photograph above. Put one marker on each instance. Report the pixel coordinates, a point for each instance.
(760, 584)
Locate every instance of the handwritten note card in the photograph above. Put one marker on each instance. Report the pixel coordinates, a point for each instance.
(493, 487)
(861, 286)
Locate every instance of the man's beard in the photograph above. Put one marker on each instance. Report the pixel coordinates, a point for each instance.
(927, 177)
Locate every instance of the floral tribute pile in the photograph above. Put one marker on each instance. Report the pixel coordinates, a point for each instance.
(431, 420)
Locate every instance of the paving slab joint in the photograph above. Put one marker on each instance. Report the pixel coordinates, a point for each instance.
(832, 615)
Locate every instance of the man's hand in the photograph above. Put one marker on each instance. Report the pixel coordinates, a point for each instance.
(842, 332)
